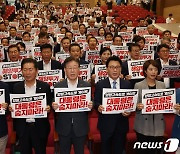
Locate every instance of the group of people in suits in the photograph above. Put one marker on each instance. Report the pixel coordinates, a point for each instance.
(73, 127)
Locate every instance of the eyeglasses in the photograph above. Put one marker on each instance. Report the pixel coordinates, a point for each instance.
(114, 67)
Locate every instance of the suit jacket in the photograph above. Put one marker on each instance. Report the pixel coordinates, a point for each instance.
(172, 80)
(3, 122)
(42, 124)
(149, 124)
(20, 6)
(54, 65)
(80, 119)
(125, 71)
(107, 123)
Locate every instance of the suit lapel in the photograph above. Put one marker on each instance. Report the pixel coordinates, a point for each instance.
(108, 83)
(22, 88)
(65, 83)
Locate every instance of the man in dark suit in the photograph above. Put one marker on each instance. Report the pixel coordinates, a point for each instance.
(75, 52)
(13, 53)
(3, 122)
(134, 54)
(113, 127)
(47, 63)
(20, 5)
(32, 132)
(72, 127)
(163, 53)
(12, 34)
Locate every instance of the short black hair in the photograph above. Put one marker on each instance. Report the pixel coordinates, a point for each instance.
(162, 46)
(133, 45)
(140, 19)
(104, 21)
(65, 38)
(13, 46)
(5, 38)
(43, 34)
(29, 60)
(45, 46)
(108, 33)
(60, 21)
(69, 59)
(74, 45)
(26, 33)
(103, 29)
(43, 26)
(146, 65)
(105, 49)
(12, 27)
(21, 44)
(123, 26)
(93, 38)
(138, 38)
(2, 23)
(117, 36)
(166, 31)
(69, 32)
(113, 58)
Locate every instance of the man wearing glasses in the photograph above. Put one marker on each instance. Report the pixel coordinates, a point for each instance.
(113, 127)
(72, 127)
(163, 53)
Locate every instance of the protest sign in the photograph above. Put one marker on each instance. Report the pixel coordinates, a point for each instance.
(117, 101)
(93, 31)
(36, 53)
(173, 44)
(93, 57)
(141, 31)
(146, 55)
(127, 36)
(135, 68)
(59, 37)
(10, 71)
(85, 72)
(72, 100)
(152, 40)
(120, 51)
(61, 57)
(170, 71)
(158, 101)
(50, 76)
(2, 100)
(100, 72)
(28, 106)
(174, 55)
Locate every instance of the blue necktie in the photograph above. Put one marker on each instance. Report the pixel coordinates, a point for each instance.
(114, 84)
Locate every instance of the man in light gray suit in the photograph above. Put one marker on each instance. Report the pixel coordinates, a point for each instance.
(72, 127)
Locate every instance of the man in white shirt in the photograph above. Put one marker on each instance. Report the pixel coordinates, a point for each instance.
(72, 127)
(32, 132)
(47, 63)
(163, 53)
(169, 19)
(113, 127)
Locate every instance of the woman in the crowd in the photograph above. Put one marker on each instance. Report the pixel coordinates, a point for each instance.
(101, 32)
(105, 53)
(149, 127)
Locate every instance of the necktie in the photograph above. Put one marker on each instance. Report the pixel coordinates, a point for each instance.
(114, 84)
